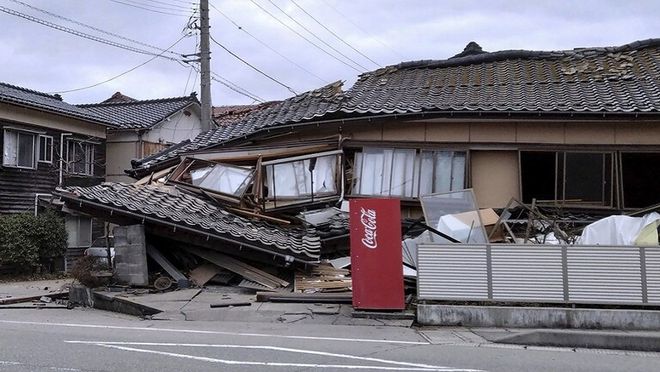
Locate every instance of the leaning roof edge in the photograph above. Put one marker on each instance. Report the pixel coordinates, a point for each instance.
(517, 54)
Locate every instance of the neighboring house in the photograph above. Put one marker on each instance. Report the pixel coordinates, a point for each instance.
(48, 143)
(577, 128)
(144, 127)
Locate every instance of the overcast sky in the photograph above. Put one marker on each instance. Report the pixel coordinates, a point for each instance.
(383, 31)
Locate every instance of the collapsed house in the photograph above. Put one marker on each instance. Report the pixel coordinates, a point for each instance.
(575, 130)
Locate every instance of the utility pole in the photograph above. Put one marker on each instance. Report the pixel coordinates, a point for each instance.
(205, 64)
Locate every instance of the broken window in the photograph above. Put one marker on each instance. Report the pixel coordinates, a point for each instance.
(19, 149)
(406, 173)
(639, 178)
(571, 177)
(303, 177)
(80, 157)
(231, 180)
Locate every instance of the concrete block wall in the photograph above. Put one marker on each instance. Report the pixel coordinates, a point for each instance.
(131, 255)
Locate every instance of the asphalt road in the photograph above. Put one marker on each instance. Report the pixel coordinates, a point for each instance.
(92, 340)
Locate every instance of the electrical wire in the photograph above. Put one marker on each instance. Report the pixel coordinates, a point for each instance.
(241, 28)
(231, 85)
(89, 26)
(123, 73)
(316, 36)
(169, 7)
(251, 66)
(303, 36)
(147, 9)
(334, 34)
(82, 34)
(363, 30)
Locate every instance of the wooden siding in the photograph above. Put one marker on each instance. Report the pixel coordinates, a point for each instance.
(18, 186)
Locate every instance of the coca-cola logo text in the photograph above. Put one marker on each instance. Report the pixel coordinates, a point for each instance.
(368, 219)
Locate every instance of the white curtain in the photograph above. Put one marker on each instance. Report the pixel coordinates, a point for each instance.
(228, 180)
(295, 179)
(10, 148)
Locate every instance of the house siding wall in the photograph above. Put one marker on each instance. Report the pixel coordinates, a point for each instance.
(18, 186)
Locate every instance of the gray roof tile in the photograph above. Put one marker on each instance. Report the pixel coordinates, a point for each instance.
(46, 102)
(171, 205)
(139, 114)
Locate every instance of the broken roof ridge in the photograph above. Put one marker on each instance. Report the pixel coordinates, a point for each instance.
(32, 91)
(503, 55)
(192, 97)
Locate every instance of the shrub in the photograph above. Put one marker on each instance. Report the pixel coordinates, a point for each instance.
(25, 239)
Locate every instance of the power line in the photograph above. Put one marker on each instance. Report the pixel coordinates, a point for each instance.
(236, 88)
(317, 38)
(82, 34)
(302, 36)
(241, 28)
(334, 34)
(123, 73)
(148, 9)
(254, 68)
(88, 26)
(363, 30)
(163, 5)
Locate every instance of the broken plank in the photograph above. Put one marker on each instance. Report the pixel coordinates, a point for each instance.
(203, 273)
(241, 268)
(16, 300)
(181, 279)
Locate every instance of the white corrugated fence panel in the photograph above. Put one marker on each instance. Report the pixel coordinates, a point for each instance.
(527, 272)
(653, 274)
(452, 272)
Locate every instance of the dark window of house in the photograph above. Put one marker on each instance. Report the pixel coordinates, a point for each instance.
(19, 149)
(45, 149)
(641, 179)
(80, 157)
(572, 177)
(586, 177)
(538, 174)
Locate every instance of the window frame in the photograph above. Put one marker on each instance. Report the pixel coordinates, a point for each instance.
(416, 172)
(608, 172)
(72, 225)
(46, 138)
(89, 157)
(17, 132)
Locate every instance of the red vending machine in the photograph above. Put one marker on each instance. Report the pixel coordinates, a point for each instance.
(376, 262)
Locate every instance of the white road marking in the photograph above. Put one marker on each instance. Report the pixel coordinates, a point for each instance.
(279, 364)
(8, 363)
(264, 347)
(99, 326)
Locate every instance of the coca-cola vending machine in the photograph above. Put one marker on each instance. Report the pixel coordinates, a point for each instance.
(376, 262)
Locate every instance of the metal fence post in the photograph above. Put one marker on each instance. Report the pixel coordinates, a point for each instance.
(564, 271)
(489, 271)
(642, 270)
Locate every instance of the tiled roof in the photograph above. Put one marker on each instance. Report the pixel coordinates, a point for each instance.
(623, 79)
(41, 101)
(139, 114)
(228, 115)
(302, 107)
(167, 204)
(616, 79)
(118, 97)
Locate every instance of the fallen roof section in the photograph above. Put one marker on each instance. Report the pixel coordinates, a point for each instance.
(162, 205)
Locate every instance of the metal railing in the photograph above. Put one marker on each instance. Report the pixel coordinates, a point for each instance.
(626, 275)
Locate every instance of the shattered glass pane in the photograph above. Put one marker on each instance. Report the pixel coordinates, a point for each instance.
(455, 214)
(224, 179)
(303, 177)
